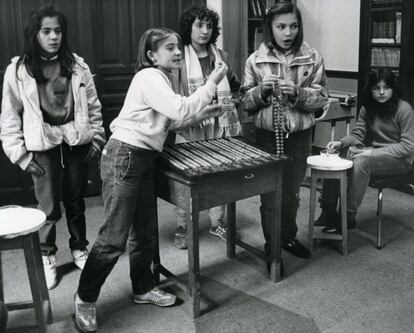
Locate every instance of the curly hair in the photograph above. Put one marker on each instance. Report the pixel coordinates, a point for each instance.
(203, 13)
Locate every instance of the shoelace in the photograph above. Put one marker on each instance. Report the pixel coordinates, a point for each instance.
(155, 296)
(220, 230)
(49, 261)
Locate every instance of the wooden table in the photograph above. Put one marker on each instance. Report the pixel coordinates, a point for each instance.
(194, 194)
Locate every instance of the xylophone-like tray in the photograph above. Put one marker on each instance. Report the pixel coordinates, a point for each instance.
(201, 158)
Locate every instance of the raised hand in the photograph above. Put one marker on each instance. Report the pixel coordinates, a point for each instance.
(218, 73)
(288, 88)
(268, 84)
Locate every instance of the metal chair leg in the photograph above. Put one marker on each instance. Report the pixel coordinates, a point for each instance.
(379, 214)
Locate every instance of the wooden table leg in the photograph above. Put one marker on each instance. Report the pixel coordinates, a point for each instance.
(344, 206)
(231, 230)
(193, 253)
(312, 210)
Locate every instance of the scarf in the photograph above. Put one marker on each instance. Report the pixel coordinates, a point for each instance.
(228, 123)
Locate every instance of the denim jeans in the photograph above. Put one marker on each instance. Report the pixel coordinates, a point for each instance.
(65, 179)
(130, 209)
(363, 169)
(296, 147)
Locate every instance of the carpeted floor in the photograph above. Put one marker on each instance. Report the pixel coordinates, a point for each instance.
(369, 290)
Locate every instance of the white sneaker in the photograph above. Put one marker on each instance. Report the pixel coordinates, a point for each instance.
(79, 257)
(49, 267)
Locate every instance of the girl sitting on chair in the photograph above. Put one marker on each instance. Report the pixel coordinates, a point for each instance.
(381, 144)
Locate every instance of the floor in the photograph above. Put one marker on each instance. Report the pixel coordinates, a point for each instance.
(367, 291)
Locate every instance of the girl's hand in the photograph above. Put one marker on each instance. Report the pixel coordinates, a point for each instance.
(213, 110)
(268, 84)
(288, 88)
(93, 153)
(218, 73)
(334, 146)
(35, 169)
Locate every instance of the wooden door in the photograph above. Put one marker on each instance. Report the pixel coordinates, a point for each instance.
(118, 24)
(105, 33)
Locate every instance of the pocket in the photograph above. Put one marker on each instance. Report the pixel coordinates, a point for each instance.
(125, 167)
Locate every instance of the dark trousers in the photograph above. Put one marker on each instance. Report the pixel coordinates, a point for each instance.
(296, 147)
(130, 208)
(65, 179)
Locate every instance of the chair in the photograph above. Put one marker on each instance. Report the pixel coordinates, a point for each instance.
(381, 183)
(19, 230)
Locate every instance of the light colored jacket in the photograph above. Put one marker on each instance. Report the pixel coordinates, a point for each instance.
(22, 128)
(305, 68)
(151, 104)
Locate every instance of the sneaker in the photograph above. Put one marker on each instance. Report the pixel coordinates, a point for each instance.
(79, 257)
(155, 296)
(219, 231)
(337, 228)
(49, 267)
(180, 238)
(85, 315)
(296, 249)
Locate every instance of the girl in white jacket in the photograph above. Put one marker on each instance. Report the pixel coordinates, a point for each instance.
(127, 170)
(51, 126)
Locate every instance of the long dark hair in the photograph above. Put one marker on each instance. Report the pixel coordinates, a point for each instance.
(279, 9)
(203, 13)
(30, 55)
(372, 106)
(151, 40)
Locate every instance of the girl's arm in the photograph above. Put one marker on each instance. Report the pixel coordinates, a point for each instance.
(209, 111)
(159, 95)
(11, 123)
(359, 132)
(251, 90)
(94, 111)
(315, 96)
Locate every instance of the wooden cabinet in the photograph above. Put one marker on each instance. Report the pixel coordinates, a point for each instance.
(386, 41)
(105, 33)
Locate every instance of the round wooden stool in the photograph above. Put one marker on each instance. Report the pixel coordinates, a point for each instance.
(328, 167)
(18, 230)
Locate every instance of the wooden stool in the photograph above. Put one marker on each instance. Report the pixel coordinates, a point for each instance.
(18, 230)
(328, 167)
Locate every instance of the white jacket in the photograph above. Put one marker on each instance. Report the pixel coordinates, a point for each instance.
(22, 128)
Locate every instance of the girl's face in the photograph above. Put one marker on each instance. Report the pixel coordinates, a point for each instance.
(285, 28)
(50, 35)
(168, 55)
(381, 92)
(201, 32)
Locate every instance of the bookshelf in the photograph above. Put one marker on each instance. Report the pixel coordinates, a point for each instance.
(385, 41)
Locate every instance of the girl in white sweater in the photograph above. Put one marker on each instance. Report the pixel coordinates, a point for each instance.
(127, 171)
